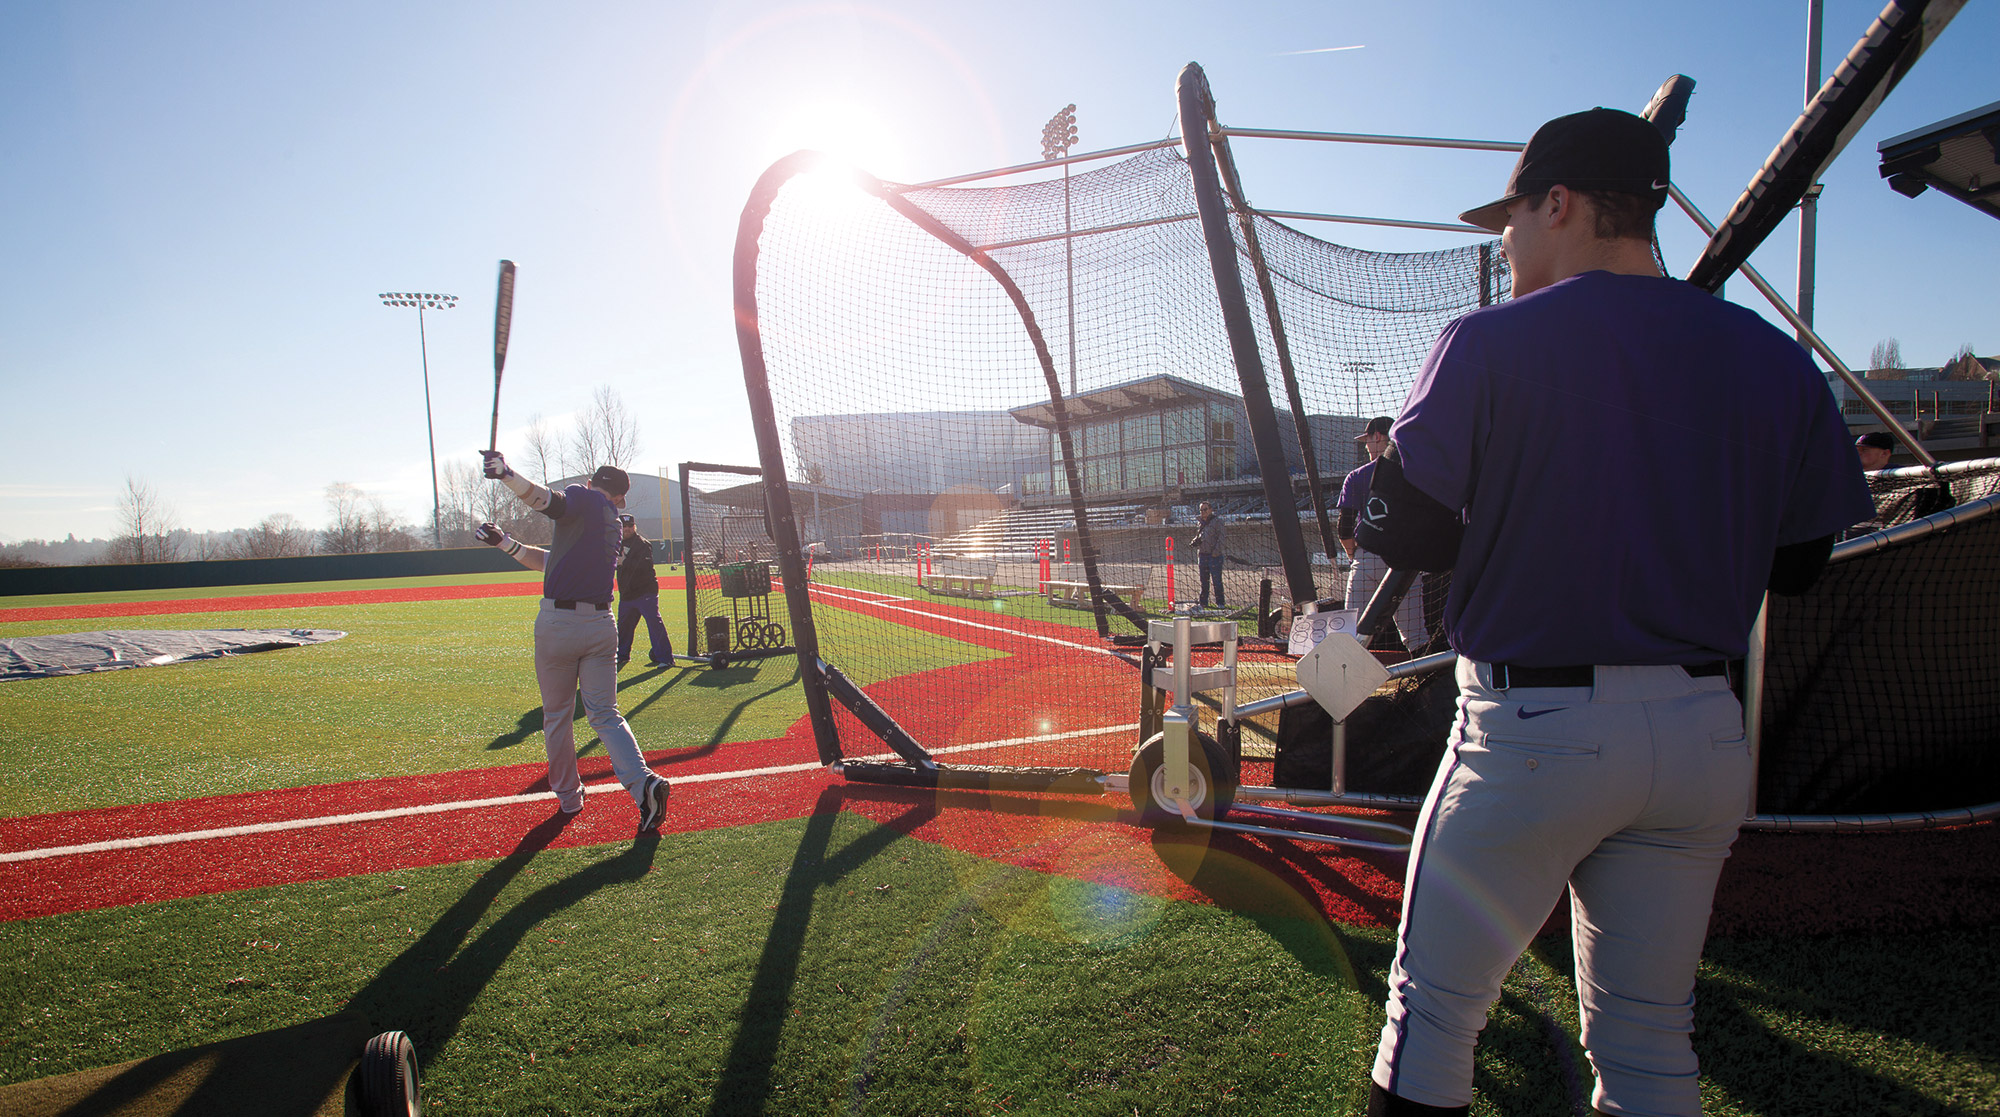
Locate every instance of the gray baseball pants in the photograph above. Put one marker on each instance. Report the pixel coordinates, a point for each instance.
(578, 648)
(1362, 580)
(1630, 792)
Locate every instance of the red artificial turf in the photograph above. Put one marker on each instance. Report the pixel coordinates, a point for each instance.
(1774, 884)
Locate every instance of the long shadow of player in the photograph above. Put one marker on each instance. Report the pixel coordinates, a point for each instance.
(428, 988)
(425, 991)
(745, 1085)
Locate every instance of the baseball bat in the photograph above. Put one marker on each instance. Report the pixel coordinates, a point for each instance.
(1668, 109)
(503, 325)
(1894, 42)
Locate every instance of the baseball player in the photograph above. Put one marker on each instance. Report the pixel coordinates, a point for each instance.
(639, 596)
(1206, 544)
(1553, 454)
(1365, 575)
(576, 640)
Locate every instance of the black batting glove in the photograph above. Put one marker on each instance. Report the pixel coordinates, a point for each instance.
(496, 466)
(490, 534)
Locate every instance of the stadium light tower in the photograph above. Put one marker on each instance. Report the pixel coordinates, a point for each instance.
(1058, 136)
(423, 302)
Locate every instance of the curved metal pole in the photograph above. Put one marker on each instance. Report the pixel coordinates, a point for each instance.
(1197, 113)
(770, 451)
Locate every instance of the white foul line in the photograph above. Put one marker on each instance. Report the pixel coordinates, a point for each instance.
(251, 829)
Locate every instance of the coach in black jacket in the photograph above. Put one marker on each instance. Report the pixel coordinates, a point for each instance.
(639, 596)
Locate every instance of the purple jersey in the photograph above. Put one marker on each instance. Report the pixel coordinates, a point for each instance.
(584, 556)
(1629, 451)
(1354, 490)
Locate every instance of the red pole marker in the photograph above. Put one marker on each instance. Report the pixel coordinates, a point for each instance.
(1065, 550)
(1170, 572)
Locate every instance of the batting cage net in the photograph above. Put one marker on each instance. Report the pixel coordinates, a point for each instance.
(1881, 683)
(999, 407)
(730, 565)
(988, 414)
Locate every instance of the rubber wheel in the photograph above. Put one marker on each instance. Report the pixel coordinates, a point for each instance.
(750, 634)
(389, 1077)
(1213, 785)
(774, 635)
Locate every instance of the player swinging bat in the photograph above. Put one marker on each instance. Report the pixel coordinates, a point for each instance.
(576, 637)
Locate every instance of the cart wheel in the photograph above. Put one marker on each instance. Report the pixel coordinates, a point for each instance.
(1212, 783)
(719, 660)
(750, 634)
(389, 1077)
(774, 635)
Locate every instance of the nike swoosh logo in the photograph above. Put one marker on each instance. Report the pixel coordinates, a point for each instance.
(1659, 186)
(1524, 713)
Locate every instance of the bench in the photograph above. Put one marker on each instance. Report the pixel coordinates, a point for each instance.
(1069, 589)
(962, 577)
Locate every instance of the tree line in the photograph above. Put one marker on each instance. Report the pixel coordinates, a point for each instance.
(360, 522)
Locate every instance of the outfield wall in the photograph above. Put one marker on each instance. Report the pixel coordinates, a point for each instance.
(252, 572)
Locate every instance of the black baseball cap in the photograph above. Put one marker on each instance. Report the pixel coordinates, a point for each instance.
(628, 518)
(1878, 440)
(1599, 149)
(612, 480)
(1380, 424)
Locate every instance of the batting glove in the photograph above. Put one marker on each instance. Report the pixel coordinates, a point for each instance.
(490, 534)
(496, 465)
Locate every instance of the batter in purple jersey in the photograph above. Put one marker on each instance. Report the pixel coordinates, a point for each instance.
(1615, 467)
(576, 639)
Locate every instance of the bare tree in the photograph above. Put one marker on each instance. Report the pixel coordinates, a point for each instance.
(278, 535)
(606, 434)
(543, 457)
(146, 524)
(347, 531)
(1888, 353)
(387, 531)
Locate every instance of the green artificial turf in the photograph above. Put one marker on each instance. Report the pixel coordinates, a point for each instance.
(828, 965)
(415, 687)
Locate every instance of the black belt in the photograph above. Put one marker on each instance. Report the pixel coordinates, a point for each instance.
(562, 604)
(1507, 676)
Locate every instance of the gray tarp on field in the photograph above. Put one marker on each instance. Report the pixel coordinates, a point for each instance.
(76, 653)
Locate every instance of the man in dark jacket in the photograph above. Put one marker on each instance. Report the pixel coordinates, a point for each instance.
(639, 596)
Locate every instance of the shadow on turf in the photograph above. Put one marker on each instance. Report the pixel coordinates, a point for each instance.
(428, 988)
(425, 991)
(1279, 896)
(745, 1086)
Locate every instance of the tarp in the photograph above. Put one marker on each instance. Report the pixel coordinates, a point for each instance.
(77, 653)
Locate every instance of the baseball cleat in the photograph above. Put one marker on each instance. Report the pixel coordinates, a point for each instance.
(653, 802)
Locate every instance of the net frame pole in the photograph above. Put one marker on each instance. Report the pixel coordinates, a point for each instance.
(1813, 340)
(687, 562)
(1197, 116)
(1101, 603)
(1246, 220)
(770, 448)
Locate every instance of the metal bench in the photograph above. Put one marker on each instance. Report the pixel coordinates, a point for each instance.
(962, 577)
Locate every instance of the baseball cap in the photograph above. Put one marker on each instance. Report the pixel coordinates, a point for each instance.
(628, 518)
(612, 480)
(1878, 440)
(1599, 149)
(1380, 424)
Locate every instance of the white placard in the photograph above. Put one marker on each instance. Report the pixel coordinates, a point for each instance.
(1314, 627)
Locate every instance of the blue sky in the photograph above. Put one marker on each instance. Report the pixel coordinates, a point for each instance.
(202, 200)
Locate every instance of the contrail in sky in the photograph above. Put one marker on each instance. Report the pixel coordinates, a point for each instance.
(1320, 50)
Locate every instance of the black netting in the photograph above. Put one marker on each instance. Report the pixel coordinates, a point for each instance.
(1881, 682)
(954, 581)
(735, 606)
